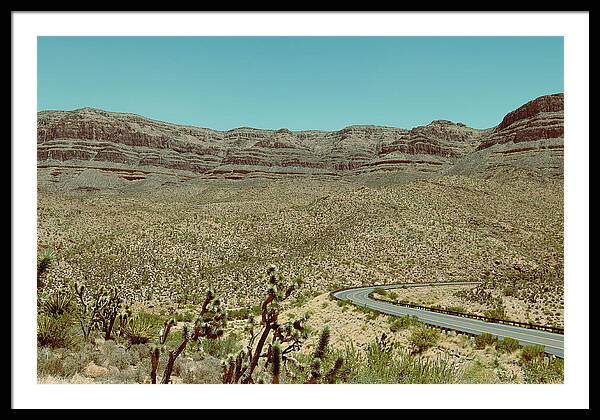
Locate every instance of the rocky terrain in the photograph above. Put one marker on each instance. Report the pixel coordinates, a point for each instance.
(94, 149)
(531, 138)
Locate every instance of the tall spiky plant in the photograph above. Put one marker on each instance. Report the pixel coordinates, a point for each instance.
(275, 361)
(316, 374)
(290, 333)
(44, 260)
(321, 348)
(210, 323)
(99, 311)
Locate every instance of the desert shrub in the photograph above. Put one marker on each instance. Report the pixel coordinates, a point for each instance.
(221, 347)
(403, 322)
(54, 331)
(423, 338)
(496, 313)
(510, 291)
(341, 303)
(243, 313)
(186, 316)
(117, 356)
(386, 363)
(531, 352)
(508, 345)
(380, 291)
(49, 362)
(485, 339)
(140, 329)
(44, 260)
(392, 295)
(370, 313)
(542, 370)
(208, 371)
(458, 309)
(300, 300)
(477, 373)
(65, 363)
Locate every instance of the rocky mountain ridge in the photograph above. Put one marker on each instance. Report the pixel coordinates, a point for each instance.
(96, 147)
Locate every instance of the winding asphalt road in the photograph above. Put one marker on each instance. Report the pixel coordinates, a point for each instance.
(552, 342)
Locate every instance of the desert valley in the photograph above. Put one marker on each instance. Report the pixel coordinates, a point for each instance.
(139, 219)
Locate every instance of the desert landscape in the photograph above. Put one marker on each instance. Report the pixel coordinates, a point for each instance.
(179, 254)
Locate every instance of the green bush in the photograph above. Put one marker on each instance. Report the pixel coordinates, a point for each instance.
(186, 316)
(542, 371)
(485, 339)
(458, 309)
(243, 313)
(221, 347)
(423, 338)
(370, 313)
(140, 329)
(389, 364)
(508, 345)
(496, 313)
(54, 331)
(342, 303)
(380, 291)
(532, 352)
(403, 322)
(58, 303)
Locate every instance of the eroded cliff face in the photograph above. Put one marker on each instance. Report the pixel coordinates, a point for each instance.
(540, 119)
(530, 138)
(102, 145)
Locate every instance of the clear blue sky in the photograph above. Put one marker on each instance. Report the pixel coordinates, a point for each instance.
(323, 83)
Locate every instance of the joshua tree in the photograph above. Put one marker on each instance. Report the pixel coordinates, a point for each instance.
(209, 324)
(284, 337)
(98, 312)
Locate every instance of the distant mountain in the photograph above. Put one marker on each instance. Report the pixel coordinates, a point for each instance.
(530, 138)
(95, 148)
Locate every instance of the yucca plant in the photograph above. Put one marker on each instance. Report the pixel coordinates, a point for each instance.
(58, 303)
(44, 261)
(138, 330)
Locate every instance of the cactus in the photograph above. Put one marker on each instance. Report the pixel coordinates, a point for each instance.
(123, 318)
(315, 369)
(276, 361)
(323, 342)
(164, 331)
(330, 377)
(173, 356)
